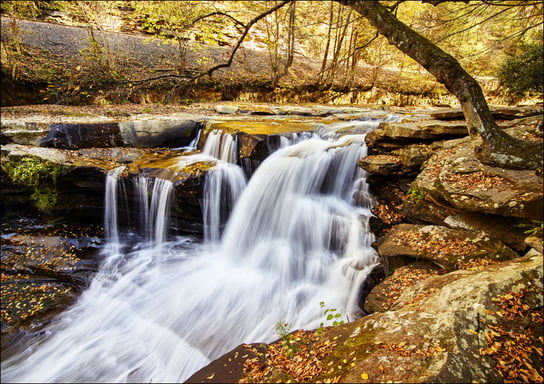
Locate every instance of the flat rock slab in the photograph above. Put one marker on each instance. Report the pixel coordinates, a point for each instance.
(417, 131)
(506, 113)
(448, 248)
(456, 176)
(381, 164)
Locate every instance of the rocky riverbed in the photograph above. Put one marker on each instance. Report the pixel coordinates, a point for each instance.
(461, 242)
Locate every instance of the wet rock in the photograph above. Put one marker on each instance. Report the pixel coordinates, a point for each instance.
(188, 179)
(158, 133)
(457, 177)
(445, 247)
(44, 267)
(74, 136)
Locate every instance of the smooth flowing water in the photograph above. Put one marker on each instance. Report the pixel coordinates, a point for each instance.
(160, 310)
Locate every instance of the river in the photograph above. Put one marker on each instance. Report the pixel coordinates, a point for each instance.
(162, 306)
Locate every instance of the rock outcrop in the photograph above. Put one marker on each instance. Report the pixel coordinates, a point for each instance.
(457, 177)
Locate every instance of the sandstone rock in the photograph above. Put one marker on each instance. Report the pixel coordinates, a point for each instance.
(22, 132)
(456, 176)
(386, 293)
(380, 164)
(413, 155)
(423, 130)
(497, 112)
(48, 154)
(226, 109)
(445, 247)
(535, 243)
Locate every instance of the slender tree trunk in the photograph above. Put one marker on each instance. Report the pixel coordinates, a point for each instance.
(497, 148)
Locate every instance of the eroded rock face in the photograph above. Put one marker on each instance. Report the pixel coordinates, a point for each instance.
(439, 330)
(74, 136)
(158, 133)
(456, 176)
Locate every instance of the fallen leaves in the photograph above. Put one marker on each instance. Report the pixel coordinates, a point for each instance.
(512, 344)
(435, 245)
(477, 181)
(304, 365)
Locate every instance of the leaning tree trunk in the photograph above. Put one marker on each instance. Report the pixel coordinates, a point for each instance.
(497, 148)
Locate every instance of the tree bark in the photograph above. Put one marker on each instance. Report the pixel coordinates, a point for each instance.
(497, 148)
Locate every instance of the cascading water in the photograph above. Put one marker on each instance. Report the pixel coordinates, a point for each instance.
(158, 313)
(223, 186)
(154, 208)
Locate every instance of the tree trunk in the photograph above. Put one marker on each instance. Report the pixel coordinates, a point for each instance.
(497, 148)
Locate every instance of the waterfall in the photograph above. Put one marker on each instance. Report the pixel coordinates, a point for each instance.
(110, 204)
(223, 186)
(160, 311)
(155, 196)
(222, 146)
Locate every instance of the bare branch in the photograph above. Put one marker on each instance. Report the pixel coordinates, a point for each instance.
(218, 13)
(228, 63)
(240, 40)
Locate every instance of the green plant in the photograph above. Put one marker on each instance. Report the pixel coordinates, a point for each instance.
(39, 175)
(415, 194)
(524, 72)
(331, 316)
(284, 329)
(536, 228)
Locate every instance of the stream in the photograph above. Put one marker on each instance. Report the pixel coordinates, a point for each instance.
(277, 244)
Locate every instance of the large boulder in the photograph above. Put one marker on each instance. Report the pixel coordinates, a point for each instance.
(455, 176)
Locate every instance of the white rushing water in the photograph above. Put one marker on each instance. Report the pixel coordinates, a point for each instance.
(161, 310)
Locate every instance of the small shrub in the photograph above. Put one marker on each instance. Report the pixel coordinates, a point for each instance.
(416, 194)
(284, 329)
